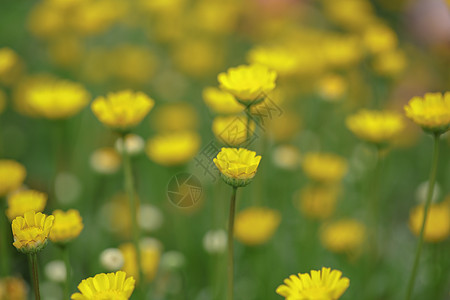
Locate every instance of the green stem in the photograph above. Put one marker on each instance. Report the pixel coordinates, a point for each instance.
(66, 257)
(375, 203)
(231, 245)
(247, 112)
(4, 232)
(35, 274)
(425, 215)
(129, 187)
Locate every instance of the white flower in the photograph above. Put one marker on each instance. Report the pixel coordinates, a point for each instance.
(150, 217)
(134, 143)
(111, 259)
(56, 271)
(215, 241)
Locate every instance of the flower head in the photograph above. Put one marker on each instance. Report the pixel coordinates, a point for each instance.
(150, 257)
(432, 112)
(221, 102)
(248, 83)
(122, 110)
(376, 126)
(232, 130)
(324, 167)
(256, 225)
(13, 288)
(437, 228)
(105, 286)
(343, 236)
(31, 231)
(21, 202)
(237, 166)
(105, 160)
(317, 201)
(67, 226)
(325, 284)
(12, 175)
(281, 59)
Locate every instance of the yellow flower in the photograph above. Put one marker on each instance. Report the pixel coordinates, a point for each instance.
(324, 167)
(318, 202)
(105, 160)
(150, 257)
(256, 225)
(2, 101)
(133, 63)
(221, 102)
(379, 38)
(437, 228)
(67, 226)
(281, 59)
(10, 66)
(285, 128)
(390, 63)
(231, 130)
(13, 288)
(248, 83)
(432, 112)
(326, 284)
(173, 148)
(21, 202)
(332, 87)
(12, 175)
(237, 166)
(376, 126)
(351, 14)
(105, 286)
(177, 116)
(342, 51)
(31, 231)
(122, 110)
(343, 236)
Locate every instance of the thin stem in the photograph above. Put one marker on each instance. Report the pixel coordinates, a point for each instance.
(231, 245)
(425, 215)
(66, 257)
(35, 274)
(247, 112)
(375, 202)
(4, 232)
(129, 187)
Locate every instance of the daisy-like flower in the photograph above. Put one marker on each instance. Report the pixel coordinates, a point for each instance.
(374, 126)
(122, 110)
(31, 231)
(67, 226)
(325, 284)
(106, 286)
(237, 166)
(256, 225)
(324, 167)
(12, 175)
(21, 202)
(221, 102)
(248, 83)
(432, 112)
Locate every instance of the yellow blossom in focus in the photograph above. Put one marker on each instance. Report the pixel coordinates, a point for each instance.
(10, 66)
(343, 236)
(150, 257)
(237, 166)
(105, 160)
(318, 202)
(248, 83)
(122, 110)
(221, 102)
(171, 149)
(325, 284)
(437, 228)
(12, 175)
(58, 99)
(106, 286)
(324, 167)
(376, 126)
(431, 112)
(332, 87)
(31, 231)
(2, 101)
(232, 130)
(13, 288)
(281, 59)
(379, 38)
(22, 201)
(67, 226)
(390, 63)
(179, 116)
(256, 225)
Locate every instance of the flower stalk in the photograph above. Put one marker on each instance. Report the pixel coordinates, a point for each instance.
(34, 274)
(230, 266)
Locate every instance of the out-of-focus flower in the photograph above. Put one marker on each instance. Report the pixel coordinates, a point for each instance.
(13, 288)
(332, 87)
(57, 99)
(284, 128)
(431, 112)
(390, 63)
(112, 259)
(2, 101)
(163, 7)
(105, 160)
(173, 148)
(24, 87)
(150, 218)
(150, 257)
(326, 284)
(56, 271)
(379, 38)
(116, 215)
(324, 167)
(22, 201)
(134, 143)
(180, 116)
(342, 51)
(10, 66)
(67, 226)
(376, 126)
(351, 14)
(237, 166)
(45, 20)
(286, 157)
(256, 225)
(215, 241)
(122, 110)
(221, 102)
(232, 130)
(66, 51)
(422, 191)
(68, 187)
(280, 59)
(437, 228)
(343, 236)
(106, 286)
(31, 231)
(248, 83)
(172, 260)
(318, 202)
(133, 64)
(12, 175)
(215, 17)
